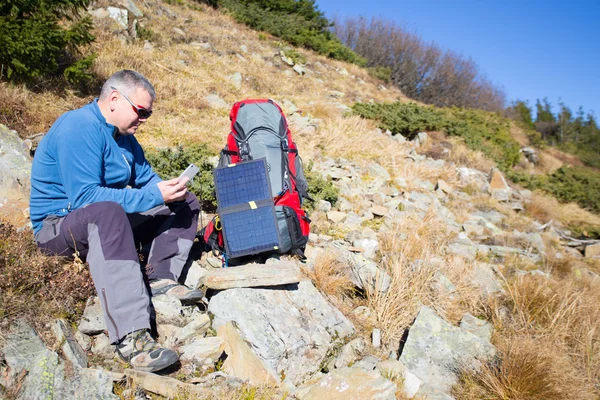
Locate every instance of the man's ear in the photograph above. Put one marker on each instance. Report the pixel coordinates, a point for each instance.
(113, 100)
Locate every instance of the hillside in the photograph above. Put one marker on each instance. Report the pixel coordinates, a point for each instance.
(423, 278)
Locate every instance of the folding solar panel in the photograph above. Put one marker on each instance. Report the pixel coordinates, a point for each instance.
(246, 208)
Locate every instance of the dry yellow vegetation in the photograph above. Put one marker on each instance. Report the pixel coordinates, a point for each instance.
(547, 330)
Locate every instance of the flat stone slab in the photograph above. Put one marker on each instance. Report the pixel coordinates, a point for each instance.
(252, 275)
(290, 328)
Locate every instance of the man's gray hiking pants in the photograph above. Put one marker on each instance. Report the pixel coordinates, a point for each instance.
(109, 239)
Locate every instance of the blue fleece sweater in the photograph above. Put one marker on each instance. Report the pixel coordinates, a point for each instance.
(79, 162)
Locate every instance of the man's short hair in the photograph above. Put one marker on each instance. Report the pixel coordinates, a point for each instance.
(128, 82)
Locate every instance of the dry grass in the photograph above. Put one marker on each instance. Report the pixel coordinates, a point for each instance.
(527, 369)
(412, 258)
(329, 276)
(544, 208)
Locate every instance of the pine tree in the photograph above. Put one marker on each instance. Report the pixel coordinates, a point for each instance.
(43, 37)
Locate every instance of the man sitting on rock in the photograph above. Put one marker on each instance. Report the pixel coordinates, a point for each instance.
(93, 193)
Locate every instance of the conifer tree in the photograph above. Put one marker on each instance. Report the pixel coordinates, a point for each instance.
(43, 37)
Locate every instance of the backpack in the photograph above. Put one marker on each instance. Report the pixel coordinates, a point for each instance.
(259, 129)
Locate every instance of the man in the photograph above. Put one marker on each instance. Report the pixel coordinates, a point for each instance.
(93, 193)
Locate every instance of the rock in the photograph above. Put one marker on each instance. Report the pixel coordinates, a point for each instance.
(289, 107)
(253, 275)
(376, 337)
(194, 276)
(203, 348)
(236, 80)
(422, 137)
(274, 322)
(299, 69)
(370, 247)
(84, 340)
(530, 154)
(216, 102)
(168, 310)
(377, 171)
(444, 187)
(92, 320)
(350, 353)
(244, 48)
(196, 328)
(592, 250)
(343, 72)
(485, 278)
(365, 274)
(473, 177)
(442, 286)
(336, 216)
(498, 187)
(15, 177)
(379, 211)
(468, 252)
(368, 363)
(87, 383)
(132, 8)
(395, 370)
(241, 361)
(477, 326)
(347, 383)
(99, 13)
(364, 315)
(435, 349)
(165, 386)
(178, 31)
(102, 347)
(323, 206)
(23, 346)
(70, 348)
(119, 15)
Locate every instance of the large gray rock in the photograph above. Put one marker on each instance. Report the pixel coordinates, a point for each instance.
(435, 350)
(45, 377)
(92, 320)
(15, 174)
(291, 328)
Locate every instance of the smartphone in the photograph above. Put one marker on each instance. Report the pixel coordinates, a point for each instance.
(190, 172)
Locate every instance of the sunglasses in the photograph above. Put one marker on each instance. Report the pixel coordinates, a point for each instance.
(142, 112)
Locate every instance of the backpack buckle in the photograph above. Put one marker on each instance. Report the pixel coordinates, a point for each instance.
(285, 145)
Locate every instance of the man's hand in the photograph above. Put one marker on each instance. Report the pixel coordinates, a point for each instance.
(173, 189)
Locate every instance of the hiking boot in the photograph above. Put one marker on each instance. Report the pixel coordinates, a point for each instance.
(143, 352)
(172, 288)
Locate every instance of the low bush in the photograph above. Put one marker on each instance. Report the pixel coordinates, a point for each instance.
(170, 163)
(567, 184)
(299, 23)
(482, 131)
(37, 287)
(319, 188)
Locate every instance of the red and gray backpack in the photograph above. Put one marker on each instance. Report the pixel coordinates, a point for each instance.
(259, 129)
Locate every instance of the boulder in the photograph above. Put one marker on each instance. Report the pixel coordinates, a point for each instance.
(203, 348)
(15, 177)
(241, 361)
(435, 350)
(92, 320)
(348, 383)
(499, 189)
(592, 250)
(275, 323)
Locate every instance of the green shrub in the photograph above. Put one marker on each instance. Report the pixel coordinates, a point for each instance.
(481, 130)
(319, 188)
(567, 184)
(40, 38)
(298, 22)
(170, 163)
(383, 73)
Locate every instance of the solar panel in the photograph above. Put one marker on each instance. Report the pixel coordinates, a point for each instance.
(246, 208)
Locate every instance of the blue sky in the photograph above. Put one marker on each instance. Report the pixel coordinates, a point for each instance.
(533, 49)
